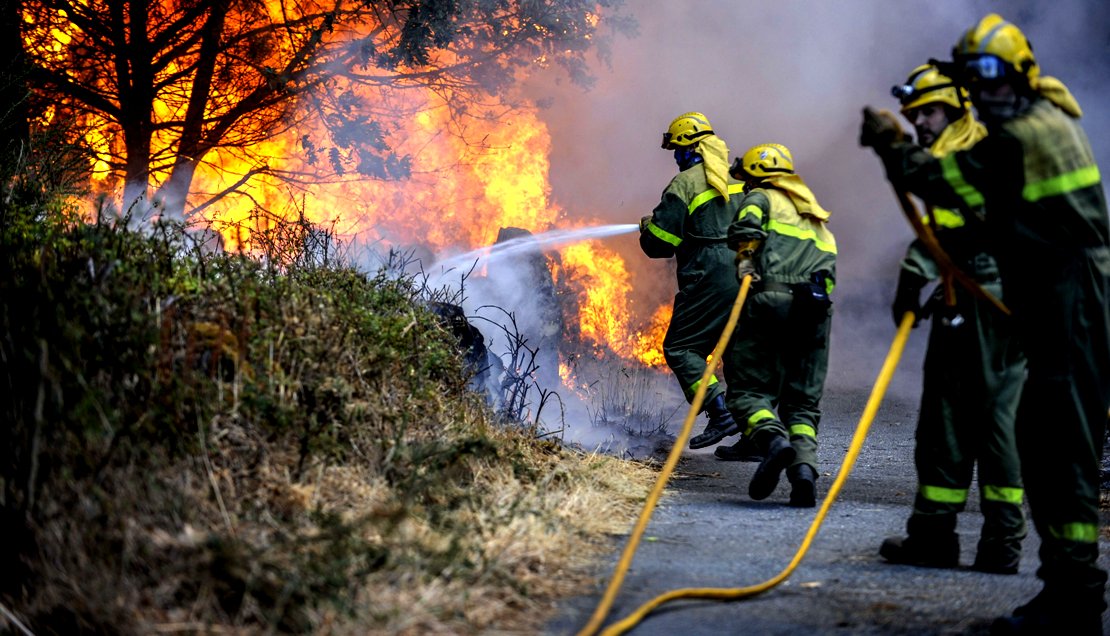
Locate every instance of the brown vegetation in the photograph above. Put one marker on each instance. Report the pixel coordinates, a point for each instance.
(221, 444)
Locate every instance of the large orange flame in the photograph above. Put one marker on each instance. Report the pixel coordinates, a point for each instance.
(459, 196)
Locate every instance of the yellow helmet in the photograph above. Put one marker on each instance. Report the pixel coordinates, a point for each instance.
(926, 85)
(991, 41)
(686, 130)
(764, 160)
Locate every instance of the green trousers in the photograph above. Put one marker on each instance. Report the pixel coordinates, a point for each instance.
(972, 383)
(776, 367)
(701, 309)
(1063, 317)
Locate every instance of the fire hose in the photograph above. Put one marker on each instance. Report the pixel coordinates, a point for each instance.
(731, 594)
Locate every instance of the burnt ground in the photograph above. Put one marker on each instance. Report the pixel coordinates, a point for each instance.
(706, 532)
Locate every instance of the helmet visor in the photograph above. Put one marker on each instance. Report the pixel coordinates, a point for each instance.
(983, 68)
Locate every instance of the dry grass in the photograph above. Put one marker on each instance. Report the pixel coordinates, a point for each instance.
(536, 518)
(204, 444)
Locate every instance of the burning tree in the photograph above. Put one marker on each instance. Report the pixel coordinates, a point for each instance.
(160, 89)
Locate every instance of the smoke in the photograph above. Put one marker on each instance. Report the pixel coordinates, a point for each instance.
(798, 73)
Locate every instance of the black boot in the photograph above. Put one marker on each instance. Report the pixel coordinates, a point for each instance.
(1000, 557)
(803, 485)
(778, 455)
(744, 450)
(922, 553)
(720, 426)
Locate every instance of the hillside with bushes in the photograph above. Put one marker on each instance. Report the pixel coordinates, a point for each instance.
(203, 442)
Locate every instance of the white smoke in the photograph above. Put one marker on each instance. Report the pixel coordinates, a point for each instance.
(796, 72)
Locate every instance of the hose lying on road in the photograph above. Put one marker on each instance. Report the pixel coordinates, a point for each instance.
(730, 594)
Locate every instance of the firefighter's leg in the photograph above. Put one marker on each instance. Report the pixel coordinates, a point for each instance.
(688, 342)
(943, 470)
(695, 326)
(801, 410)
(1000, 488)
(755, 381)
(1061, 424)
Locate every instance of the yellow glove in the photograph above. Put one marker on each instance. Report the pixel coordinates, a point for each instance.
(644, 220)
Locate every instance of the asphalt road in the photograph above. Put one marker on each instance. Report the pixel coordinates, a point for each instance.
(707, 532)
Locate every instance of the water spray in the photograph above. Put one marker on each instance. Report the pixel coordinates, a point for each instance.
(524, 244)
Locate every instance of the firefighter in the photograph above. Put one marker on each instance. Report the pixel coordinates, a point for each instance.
(778, 357)
(690, 224)
(973, 367)
(1047, 220)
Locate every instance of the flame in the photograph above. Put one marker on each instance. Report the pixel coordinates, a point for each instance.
(458, 197)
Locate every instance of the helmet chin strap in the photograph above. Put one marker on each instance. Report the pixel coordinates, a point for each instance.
(686, 157)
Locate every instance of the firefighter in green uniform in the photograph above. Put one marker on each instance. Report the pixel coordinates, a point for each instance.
(778, 358)
(690, 224)
(1047, 220)
(973, 367)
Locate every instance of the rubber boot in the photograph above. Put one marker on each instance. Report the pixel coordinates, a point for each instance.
(720, 426)
(744, 450)
(998, 557)
(932, 543)
(777, 456)
(803, 485)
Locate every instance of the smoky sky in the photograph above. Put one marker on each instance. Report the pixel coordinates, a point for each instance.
(798, 73)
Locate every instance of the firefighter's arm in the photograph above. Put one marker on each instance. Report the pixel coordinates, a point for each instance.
(754, 208)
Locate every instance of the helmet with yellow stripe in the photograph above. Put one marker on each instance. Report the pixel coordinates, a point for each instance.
(926, 85)
(763, 161)
(686, 130)
(994, 49)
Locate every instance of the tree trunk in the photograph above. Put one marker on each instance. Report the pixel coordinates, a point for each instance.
(135, 78)
(14, 122)
(193, 144)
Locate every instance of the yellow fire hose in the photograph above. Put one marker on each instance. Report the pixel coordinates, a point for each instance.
(728, 594)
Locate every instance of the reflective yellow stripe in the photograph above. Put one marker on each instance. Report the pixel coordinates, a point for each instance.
(943, 495)
(951, 172)
(709, 195)
(1078, 532)
(946, 218)
(701, 199)
(1061, 184)
(805, 430)
(1005, 494)
(760, 416)
(801, 234)
(753, 210)
(694, 387)
(664, 235)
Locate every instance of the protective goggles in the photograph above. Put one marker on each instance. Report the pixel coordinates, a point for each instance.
(983, 67)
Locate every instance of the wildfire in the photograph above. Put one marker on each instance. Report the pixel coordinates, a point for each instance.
(458, 196)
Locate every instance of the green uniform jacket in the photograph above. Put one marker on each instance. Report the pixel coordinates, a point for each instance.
(1047, 221)
(690, 224)
(691, 216)
(778, 358)
(795, 246)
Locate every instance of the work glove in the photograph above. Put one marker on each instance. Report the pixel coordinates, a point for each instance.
(745, 260)
(907, 297)
(880, 129)
(644, 220)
